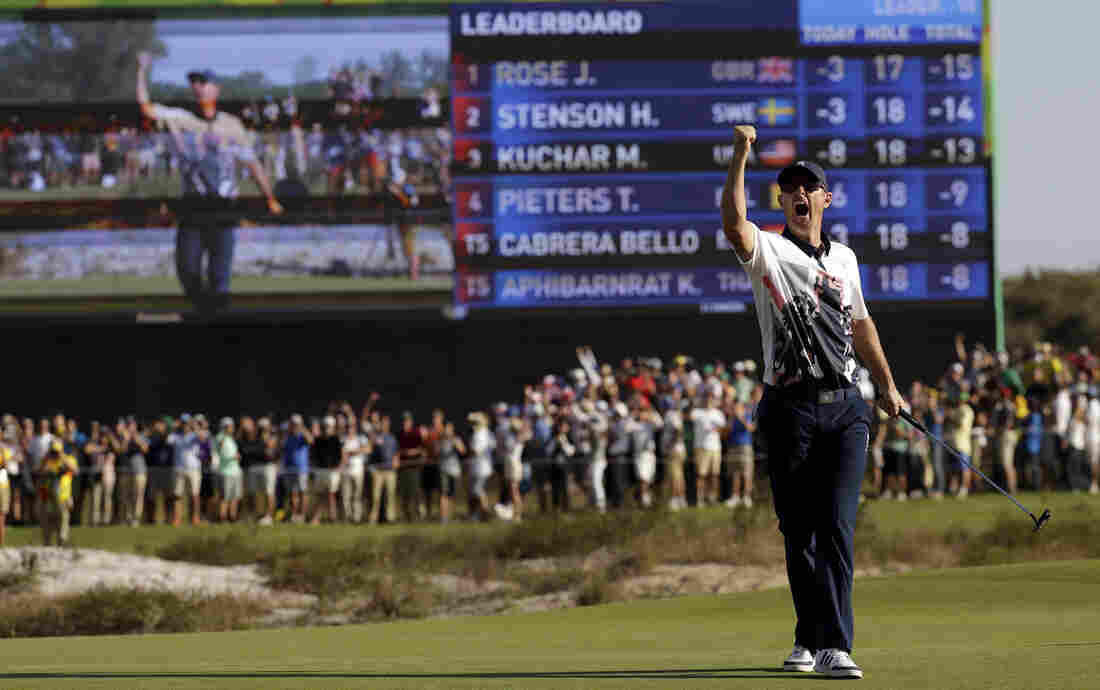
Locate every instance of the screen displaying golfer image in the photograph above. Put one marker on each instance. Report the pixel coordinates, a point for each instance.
(223, 159)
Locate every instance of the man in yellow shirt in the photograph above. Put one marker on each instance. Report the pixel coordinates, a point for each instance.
(55, 489)
(5, 489)
(958, 422)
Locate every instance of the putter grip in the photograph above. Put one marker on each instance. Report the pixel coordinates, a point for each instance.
(904, 414)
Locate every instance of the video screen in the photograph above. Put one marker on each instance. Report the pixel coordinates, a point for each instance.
(224, 164)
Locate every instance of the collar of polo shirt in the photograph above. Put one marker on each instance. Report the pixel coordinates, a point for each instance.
(810, 250)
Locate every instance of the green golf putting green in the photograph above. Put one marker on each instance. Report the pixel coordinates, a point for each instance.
(1034, 625)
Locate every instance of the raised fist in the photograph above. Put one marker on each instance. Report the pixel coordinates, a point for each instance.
(744, 136)
(144, 58)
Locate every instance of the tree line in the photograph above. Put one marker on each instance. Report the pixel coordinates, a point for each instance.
(1057, 306)
(80, 62)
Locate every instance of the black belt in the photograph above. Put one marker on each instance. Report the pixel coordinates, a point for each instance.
(818, 394)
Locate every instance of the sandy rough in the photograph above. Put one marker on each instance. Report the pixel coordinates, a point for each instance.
(62, 571)
(69, 571)
(719, 578)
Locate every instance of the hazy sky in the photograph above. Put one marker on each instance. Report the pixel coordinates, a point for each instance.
(1047, 100)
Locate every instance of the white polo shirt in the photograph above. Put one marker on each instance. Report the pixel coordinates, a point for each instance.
(805, 307)
(708, 423)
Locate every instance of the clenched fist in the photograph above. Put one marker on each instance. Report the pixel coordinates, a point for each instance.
(744, 136)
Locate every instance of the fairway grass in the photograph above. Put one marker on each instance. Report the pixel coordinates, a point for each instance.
(1034, 625)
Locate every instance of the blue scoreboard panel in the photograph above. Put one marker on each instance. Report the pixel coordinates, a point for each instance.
(591, 143)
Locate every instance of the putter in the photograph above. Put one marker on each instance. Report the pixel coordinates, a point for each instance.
(1039, 521)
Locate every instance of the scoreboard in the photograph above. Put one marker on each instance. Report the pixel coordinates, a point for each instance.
(591, 143)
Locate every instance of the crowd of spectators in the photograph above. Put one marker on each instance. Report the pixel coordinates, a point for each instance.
(1029, 419)
(637, 435)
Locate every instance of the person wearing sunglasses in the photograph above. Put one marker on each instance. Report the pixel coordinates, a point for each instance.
(813, 323)
(209, 143)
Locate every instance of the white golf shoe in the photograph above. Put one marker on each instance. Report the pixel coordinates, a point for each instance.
(799, 660)
(836, 663)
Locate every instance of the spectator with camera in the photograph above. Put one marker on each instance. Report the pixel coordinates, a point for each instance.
(560, 452)
(259, 466)
(130, 450)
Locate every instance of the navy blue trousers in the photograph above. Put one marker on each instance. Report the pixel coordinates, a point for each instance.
(216, 243)
(817, 454)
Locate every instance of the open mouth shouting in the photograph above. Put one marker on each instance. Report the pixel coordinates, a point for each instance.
(802, 210)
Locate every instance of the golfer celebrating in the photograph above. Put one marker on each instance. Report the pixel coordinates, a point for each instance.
(209, 143)
(813, 322)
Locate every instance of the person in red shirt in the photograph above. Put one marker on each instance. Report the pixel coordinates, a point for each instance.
(642, 382)
(411, 444)
(430, 479)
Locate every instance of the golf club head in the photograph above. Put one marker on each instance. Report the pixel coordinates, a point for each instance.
(1042, 519)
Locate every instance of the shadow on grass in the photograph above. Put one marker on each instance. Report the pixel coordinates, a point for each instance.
(758, 672)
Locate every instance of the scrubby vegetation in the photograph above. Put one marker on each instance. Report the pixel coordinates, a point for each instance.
(104, 611)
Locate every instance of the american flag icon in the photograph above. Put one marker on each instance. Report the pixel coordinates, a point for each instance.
(778, 154)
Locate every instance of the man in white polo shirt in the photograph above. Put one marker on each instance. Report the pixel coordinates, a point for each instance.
(709, 422)
(186, 468)
(813, 323)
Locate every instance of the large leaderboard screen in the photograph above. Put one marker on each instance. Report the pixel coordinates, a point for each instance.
(591, 143)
